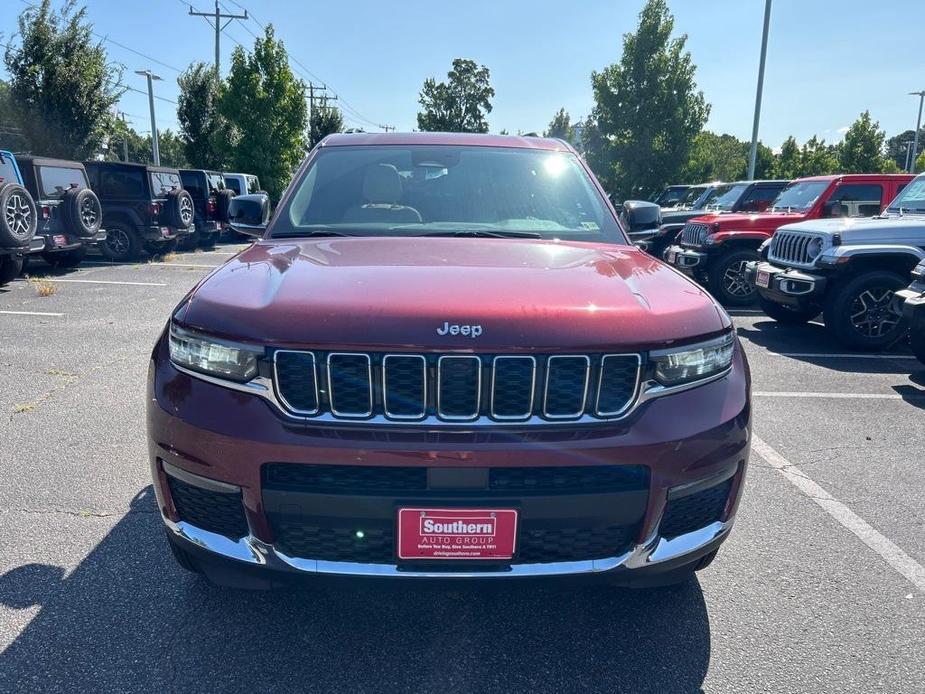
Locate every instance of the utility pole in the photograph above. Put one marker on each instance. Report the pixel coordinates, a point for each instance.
(908, 144)
(918, 125)
(151, 77)
(753, 154)
(311, 102)
(215, 21)
(124, 140)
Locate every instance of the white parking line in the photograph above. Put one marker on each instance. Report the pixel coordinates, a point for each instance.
(137, 284)
(837, 396)
(30, 313)
(901, 562)
(818, 355)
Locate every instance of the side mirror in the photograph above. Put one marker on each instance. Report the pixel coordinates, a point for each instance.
(641, 217)
(249, 214)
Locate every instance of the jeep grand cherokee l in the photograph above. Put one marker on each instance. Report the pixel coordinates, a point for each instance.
(444, 359)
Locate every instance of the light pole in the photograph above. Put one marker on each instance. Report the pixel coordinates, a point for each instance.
(151, 77)
(908, 144)
(753, 154)
(918, 125)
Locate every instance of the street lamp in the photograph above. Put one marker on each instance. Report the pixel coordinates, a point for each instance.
(151, 77)
(753, 153)
(918, 124)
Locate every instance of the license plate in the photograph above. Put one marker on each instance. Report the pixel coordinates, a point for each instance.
(456, 534)
(165, 231)
(763, 279)
(671, 256)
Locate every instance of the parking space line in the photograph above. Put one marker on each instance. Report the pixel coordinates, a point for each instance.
(30, 313)
(901, 562)
(137, 284)
(838, 396)
(819, 355)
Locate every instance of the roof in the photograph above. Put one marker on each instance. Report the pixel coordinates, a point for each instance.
(439, 139)
(131, 164)
(851, 177)
(48, 161)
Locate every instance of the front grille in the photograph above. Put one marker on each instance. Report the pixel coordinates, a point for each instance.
(456, 388)
(694, 234)
(217, 512)
(500, 481)
(573, 544)
(698, 510)
(791, 248)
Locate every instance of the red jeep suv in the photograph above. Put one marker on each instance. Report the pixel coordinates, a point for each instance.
(443, 359)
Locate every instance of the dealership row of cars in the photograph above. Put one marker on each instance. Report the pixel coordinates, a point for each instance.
(60, 209)
(842, 246)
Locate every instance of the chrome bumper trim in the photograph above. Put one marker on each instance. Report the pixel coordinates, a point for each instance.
(249, 550)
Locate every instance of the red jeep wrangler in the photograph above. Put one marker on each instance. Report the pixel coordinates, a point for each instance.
(715, 250)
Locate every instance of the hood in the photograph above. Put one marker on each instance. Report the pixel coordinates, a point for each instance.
(681, 216)
(762, 221)
(893, 230)
(367, 293)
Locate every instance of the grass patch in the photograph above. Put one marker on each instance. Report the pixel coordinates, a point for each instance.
(61, 372)
(43, 287)
(19, 409)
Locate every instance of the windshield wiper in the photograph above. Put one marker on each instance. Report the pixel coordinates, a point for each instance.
(485, 233)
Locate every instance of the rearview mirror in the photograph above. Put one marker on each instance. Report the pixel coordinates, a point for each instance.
(641, 217)
(249, 214)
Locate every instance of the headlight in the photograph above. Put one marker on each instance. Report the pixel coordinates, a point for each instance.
(211, 356)
(814, 247)
(680, 365)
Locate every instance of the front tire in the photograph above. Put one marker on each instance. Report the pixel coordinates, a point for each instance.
(788, 315)
(860, 314)
(122, 244)
(726, 278)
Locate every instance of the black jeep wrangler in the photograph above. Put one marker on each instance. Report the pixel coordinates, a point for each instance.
(69, 213)
(211, 199)
(144, 208)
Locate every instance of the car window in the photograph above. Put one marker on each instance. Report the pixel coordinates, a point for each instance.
(122, 183)
(192, 183)
(856, 200)
(727, 196)
(692, 195)
(7, 170)
(162, 182)
(912, 197)
(216, 183)
(56, 180)
(800, 195)
(234, 184)
(671, 196)
(253, 185)
(758, 199)
(418, 189)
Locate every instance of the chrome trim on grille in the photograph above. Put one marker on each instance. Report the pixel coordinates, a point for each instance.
(600, 382)
(478, 389)
(584, 394)
(491, 406)
(694, 234)
(385, 386)
(279, 393)
(369, 377)
(792, 248)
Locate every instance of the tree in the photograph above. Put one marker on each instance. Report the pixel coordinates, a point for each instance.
(647, 106)
(896, 148)
(920, 163)
(788, 161)
(561, 126)
(323, 121)
(11, 135)
(459, 105)
(817, 159)
(172, 148)
(862, 150)
(725, 158)
(202, 127)
(61, 83)
(264, 104)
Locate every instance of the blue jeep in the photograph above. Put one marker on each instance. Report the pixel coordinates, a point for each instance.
(18, 220)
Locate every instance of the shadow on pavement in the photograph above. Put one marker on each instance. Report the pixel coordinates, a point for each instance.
(128, 619)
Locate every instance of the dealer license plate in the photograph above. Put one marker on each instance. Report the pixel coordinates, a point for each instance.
(456, 534)
(671, 256)
(763, 279)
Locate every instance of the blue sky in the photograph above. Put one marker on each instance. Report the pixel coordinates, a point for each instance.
(827, 61)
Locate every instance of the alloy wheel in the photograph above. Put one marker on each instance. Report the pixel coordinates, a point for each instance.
(872, 314)
(118, 241)
(186, 210)
(18, 216)
(88, 213)
(734, 280)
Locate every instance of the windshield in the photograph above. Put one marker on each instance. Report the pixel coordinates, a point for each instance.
(413, 190)
(693, 194)
(162, 182)
(727, 196)
(671, 196)
(912, 197)
(799, 196)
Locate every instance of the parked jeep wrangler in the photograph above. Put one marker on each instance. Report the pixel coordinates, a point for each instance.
(242, 183)
(69, 213)
(911, 301)
(716, 249)
(144, 208)
(849, 269)
(18, 220)
(725, 198)
(211, 199)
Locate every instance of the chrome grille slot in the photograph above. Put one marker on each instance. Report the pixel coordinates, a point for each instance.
(350, 384)
(694, 234)
(617, 383)
(459, 387)
(566, 386)
(296, 379)
(791, 248)
(512, 387)
(404, 386)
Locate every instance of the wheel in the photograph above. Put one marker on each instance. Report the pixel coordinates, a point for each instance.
(65, 259)
(789, 315)
(860, 314)
(10, 267)
(917, 340)
(18, 218)
(122, 243)
(726, 278)
(82, 211)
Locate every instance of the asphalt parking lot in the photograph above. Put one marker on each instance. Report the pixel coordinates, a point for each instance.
(821, 587)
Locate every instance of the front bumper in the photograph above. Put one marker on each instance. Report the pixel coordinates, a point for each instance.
(685, 259)
(214, 438)
(786, 285)
(912, 304)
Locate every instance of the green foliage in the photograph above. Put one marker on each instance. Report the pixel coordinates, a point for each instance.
(459, 105)
(561, 126)
(862, 150)
(324, 120)
(789, 162)
(920, 163)
(63, 87)
(202, 127)
(172, 149)
(264, 104)
(725, 158)
(121, 136)
(817, 158)
(895, 147)
(647, 108)
(11, 135)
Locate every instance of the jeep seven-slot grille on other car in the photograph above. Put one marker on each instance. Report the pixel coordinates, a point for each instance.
(791, 248)
(456, 388)
(694, 234)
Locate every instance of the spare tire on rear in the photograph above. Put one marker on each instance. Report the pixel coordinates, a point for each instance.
(18, 219)
(82, 212)
(180, 210)
(222, 201)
